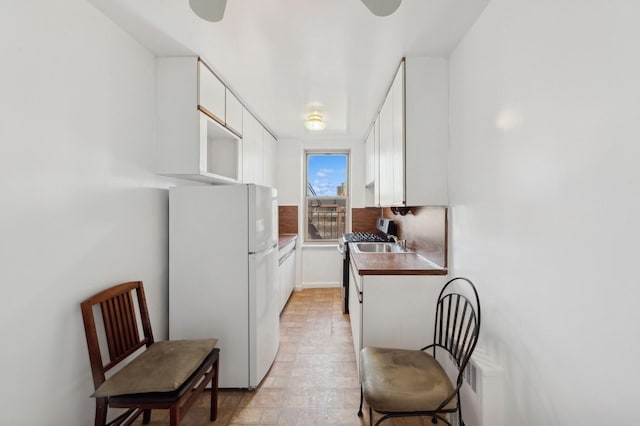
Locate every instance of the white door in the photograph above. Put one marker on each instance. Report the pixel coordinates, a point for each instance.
(264, 313)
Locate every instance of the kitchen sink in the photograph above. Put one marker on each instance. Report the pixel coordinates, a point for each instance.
(380, 248)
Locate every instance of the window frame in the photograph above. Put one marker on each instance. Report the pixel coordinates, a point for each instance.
(306, 197)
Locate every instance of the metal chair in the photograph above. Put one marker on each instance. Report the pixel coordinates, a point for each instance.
(165, 375)
(402, 383)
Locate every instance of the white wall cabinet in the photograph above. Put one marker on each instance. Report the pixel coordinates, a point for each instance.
(233, 113)
(395, 310)
(248, 147)
(413, 137)
(270, 151)
(259, 153)
(252, 150)
(385, 153)
(372, 178)
(192, 140)
(287, 272)
(211, 92)
(397, 160)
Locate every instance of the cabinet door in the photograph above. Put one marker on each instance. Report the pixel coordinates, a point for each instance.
(282, 279)
(355, 313)
(233, 112)
(211, 93)
(398, 144)
(269, 158)
(248, 148)
(376, 163)
(369, 158)
(372, 182)
(386, 151)
(399, 310)
(291, 269)
(258, 153)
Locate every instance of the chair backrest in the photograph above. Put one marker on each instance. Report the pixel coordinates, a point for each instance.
(121, 324)
(457, 324)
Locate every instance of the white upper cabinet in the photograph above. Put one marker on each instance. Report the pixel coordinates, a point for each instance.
(372, 184)
(204, 131)
(426, 131)
(259, 151)
(248, 149)
(211, 93)
(370, 157)
(270, 151)
(385, 157)
(398, 147)
(413, 137)
(191, 144)
(234, 113)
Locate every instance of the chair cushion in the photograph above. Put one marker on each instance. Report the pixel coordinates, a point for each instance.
(399, 380)
(162, 367)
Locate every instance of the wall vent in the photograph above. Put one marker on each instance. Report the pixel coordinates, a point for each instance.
(481, 393)
(470, 374)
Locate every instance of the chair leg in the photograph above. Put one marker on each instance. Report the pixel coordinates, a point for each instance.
(101, 412)
(174, 416)
(146, 417)
(370, 416)
(214, 393)
(361, 400)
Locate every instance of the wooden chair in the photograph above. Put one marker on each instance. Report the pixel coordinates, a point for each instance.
(402, 383)
(165, 375)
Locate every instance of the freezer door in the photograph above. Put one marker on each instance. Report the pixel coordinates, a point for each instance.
(264, 313)
(263, 217)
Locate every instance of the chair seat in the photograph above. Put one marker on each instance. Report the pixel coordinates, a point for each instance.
(400, 380)
(163, 367)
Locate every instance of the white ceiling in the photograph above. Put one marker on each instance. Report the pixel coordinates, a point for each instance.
(280, 56)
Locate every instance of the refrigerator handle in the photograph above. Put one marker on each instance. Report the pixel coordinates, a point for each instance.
(265, 250)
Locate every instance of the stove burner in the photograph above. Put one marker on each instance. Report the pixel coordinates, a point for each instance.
(359, 237)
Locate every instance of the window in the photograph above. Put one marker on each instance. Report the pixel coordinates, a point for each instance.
(327, 199)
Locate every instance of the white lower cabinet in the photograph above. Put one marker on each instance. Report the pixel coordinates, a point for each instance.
(396, 311)
(287, 272)
(355, 311)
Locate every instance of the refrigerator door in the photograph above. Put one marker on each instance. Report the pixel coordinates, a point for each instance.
(263, 218)
(209, 273)
(264, 313)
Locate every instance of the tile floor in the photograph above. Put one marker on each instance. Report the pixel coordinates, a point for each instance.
(313, 381)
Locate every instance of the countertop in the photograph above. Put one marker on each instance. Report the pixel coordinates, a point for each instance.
(394, 264)
(284, 239)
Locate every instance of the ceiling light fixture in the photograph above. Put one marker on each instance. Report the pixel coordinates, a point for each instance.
(382, 7)
(315, 122)
(209, 10)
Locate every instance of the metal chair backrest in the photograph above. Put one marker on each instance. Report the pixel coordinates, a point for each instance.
(457, 324)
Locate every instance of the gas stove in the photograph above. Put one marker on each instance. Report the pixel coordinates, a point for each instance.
(386, 227)
(359, 237)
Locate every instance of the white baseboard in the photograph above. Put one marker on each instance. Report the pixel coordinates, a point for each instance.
(318, 285)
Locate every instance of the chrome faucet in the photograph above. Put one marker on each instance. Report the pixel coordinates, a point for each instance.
(401, 243)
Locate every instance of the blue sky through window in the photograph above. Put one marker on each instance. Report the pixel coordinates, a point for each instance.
(326, 173)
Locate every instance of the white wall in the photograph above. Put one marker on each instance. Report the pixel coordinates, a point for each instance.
(544, 182)
(82, 209)
(320, 266)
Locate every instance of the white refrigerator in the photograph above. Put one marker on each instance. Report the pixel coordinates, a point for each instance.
(223, 266)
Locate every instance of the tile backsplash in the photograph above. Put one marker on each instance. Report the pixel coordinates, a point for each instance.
(365, 219)
(288, 219)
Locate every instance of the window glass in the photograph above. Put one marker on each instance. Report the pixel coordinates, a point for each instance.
(327, 199)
